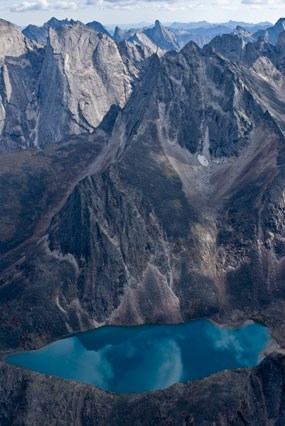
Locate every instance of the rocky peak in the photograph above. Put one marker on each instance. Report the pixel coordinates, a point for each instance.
(56, 23)
(141, 39)
(119, 34)
(158, 25)
(240, 50)
(162, 37)
(280, 24)
(271, 34)
(243, 33)
(12, 42)
(40, 34)
(230, 46)
(97, 26)
(190, 49)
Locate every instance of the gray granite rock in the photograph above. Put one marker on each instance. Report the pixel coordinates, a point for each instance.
(66, 88)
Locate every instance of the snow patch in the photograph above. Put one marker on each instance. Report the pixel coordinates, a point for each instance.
(203, 160)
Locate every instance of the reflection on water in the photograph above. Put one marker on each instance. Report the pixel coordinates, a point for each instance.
(136, 359)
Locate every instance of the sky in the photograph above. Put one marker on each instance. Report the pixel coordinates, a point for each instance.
(109, 12)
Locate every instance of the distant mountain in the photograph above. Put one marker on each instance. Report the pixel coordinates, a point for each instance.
(243, 33)
(272, 34)
(156, 37)
(204, 24)
(201, 36)
(247, 25)
(202, 33)
(120, 34)
(137, 25)
(189, 25)
(141, 39)
(98, 27)
(40, 34)
(171, 37)
(162, 37)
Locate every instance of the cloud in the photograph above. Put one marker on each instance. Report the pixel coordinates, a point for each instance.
(93, 366)
(170, 370)
(28, 6)
(232, 341)
(139, 4)
(147, 364)
(272, 3)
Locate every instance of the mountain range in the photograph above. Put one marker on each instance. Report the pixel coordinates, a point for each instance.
(178, 34)
(141, 182)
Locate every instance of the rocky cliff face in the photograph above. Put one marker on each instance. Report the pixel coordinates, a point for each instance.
(40, 34)
(271, 34)
(20, 65)
(12, 43)
(77, 89)
(254, 396)
(64, 89)
(97, 26)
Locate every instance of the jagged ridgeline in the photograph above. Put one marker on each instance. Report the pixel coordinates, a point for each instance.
(141, 186)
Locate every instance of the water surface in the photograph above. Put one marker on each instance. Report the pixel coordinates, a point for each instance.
(136, 359)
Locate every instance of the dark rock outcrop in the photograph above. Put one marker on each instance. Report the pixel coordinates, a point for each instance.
(254, 397)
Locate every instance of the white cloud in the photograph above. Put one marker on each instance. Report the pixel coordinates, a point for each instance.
(170, 370)
(271, 3)
(139, 4)
(64, 5)
(39, 5)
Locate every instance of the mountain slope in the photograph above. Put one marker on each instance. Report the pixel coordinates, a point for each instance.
(158, 235)
(66, 88)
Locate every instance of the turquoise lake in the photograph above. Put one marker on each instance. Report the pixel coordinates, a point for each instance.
(137, 359)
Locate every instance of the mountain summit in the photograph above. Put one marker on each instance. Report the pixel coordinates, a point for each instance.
(272, 34)
(162, 37)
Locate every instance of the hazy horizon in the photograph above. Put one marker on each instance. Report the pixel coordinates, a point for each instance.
(132, 12)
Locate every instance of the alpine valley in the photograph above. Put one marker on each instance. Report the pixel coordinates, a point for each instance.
(142, 181)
